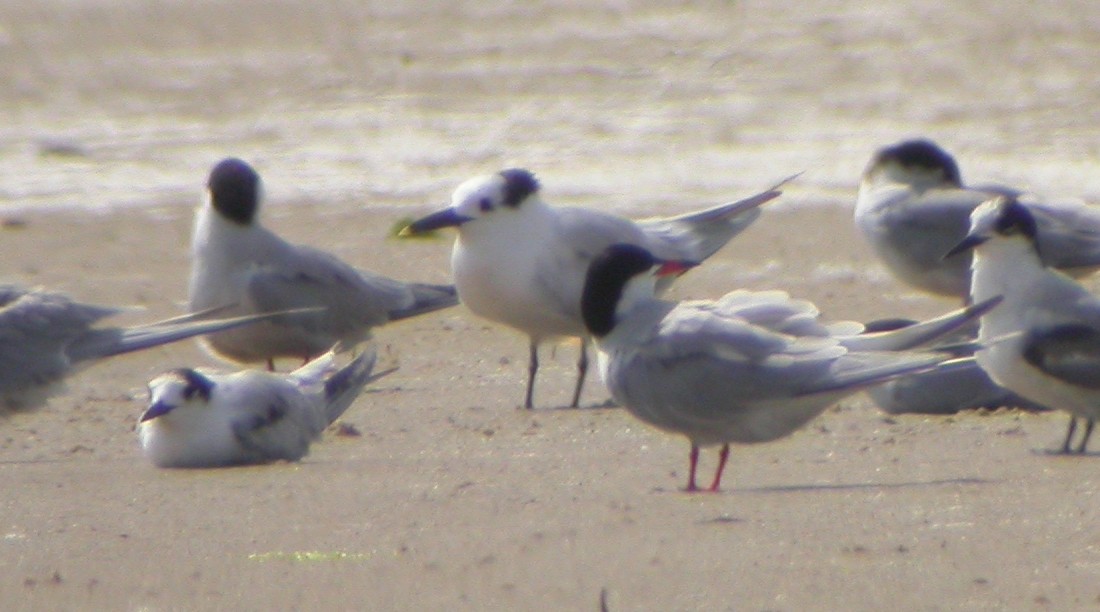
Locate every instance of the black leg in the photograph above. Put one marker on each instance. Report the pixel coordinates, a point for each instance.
(532, 369)
(1069, 434)
(1085, 440)
(582, 372)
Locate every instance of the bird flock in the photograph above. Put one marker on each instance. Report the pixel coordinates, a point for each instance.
(747, 367)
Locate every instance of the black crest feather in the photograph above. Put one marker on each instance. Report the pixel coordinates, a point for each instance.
(196, 383)
(235, 190)
(923, 153)
(519, 184)
(1016, 218)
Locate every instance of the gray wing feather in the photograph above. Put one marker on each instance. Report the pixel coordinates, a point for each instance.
(1070, 353)
(355, 300)
(1069, 235)
(697, 235)
(36, 327)
(271, 432)
(99, 343)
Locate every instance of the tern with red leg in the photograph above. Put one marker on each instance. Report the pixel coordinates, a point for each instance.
(752, 366)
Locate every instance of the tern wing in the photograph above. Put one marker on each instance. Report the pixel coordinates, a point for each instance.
(928, 225)
(693, 333)
(306, 277)
(341, 386)
(35, 328)
(917, 334)
(1069, 233)
(776, 311)
(765, 363)
(106, 342)
(696, 236)
(1070, 353)
(276, 423)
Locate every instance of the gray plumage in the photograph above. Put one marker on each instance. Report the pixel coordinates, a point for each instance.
(1043, 342)
(748, 367)
(948, 388)
(522, 262)
(45, 336)
(235, 259)
(913, 207)
(198, 419)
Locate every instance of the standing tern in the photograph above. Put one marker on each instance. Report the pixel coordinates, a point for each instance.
(46, 336)
(748, 367)
(912, 207)
(237, 260)
(196, 419)
(1043, 342)
(521, 262)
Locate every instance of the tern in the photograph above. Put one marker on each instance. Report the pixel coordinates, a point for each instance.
(913, 207)
(521, 262)
(197, 419)
(1043, 342)
(237, 260)
(749, 367)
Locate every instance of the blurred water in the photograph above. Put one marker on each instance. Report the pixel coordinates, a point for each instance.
(623, 104)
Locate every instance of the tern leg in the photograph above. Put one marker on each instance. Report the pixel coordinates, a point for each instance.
(532, 369)
(270, 364)
(693, 460)
(1085, 440)
(582, 371)
(1069, 435)
(722, 456)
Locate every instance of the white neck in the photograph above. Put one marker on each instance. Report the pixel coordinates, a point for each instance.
(1003, 266)
(215, 247)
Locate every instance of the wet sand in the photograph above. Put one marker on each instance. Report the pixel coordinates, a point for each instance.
(452, 497)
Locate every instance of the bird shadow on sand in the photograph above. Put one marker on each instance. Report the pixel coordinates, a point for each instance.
(1058, 453)
(35, 461)
(856, 486)
(608, 404)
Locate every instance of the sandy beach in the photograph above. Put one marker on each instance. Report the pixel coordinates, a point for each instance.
(452, 497)
(455, 497)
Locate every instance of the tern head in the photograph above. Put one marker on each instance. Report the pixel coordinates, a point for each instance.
(176, 389)
(235, 190)
(618, 278)
(503, 193)
(920, 163)
(1001, 218)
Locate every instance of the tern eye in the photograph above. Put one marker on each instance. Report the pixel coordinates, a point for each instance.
(485, 204)
(189, 392)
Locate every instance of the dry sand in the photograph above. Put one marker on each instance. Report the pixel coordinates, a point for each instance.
(453, 498)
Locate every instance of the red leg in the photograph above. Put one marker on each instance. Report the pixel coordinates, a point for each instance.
(694, 459)
(270, 365)
(722, 456)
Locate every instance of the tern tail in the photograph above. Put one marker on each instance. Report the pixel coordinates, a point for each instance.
(344, 386)
(698, 235)
(106, 342)
(427, 298)
(921, 333)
